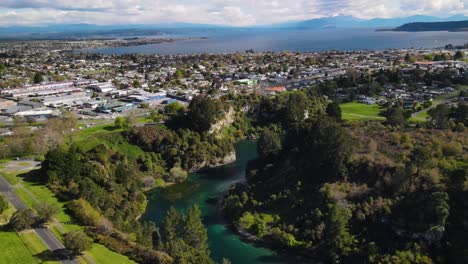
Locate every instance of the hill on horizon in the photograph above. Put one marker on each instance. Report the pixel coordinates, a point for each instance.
(434, 26)
(70, 31)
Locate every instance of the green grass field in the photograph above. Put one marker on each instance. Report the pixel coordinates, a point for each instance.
(33, 242)
(12, 176)
(103, 255)
(88, 138)
(5, 216)
(37, 247)
(14, 250)
(360, 112)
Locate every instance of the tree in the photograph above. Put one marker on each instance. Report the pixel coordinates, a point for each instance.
(203, 112)
(131, 118)
(155, 116)
(136, 84)
(171, 225)
(419, 158)
(296, 108)
(460, 113)
(459, 55)
(22, 219)
(269, 143)
(334, 111)
(173, 108)
(339, 239)
(395, 116)
(440, 116)
(194, 233)
(46, 211)
(178, 175)
(121, 122)
(77, 242)
(37, 78)
(3, 204)
(408, 58)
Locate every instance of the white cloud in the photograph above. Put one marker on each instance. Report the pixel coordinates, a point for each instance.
(231, 12)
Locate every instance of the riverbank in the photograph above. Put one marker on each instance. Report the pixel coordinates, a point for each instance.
(296, 256)
(203, 187)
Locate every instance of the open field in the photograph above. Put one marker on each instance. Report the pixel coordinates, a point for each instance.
(14, 250)
(88, 138)
(103, 255)
(360, 112)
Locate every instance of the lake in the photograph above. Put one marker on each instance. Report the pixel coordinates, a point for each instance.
(199, 189)
(233, 40)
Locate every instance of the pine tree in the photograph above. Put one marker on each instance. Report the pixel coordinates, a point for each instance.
(171, 225)
(194, 233)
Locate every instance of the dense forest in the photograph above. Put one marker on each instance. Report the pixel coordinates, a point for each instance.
(354, 193)
(322, 188)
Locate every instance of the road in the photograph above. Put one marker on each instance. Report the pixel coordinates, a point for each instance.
(49, 239)
(439, 100)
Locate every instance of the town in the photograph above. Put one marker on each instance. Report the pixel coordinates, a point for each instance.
(48, 78)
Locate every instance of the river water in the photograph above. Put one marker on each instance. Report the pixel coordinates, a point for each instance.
(200, 189)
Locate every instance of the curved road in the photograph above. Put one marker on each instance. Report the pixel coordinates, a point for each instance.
(49, 239)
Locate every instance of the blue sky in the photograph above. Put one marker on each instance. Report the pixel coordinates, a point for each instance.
(221, 12)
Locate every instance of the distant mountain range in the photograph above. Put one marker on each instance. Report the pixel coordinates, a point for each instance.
(352, 22)
(434, 26)
(73, 31)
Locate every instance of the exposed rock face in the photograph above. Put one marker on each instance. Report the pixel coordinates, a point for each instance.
(223, 122)
(230, 158)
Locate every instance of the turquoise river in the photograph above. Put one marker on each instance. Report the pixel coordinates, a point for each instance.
(202, 189)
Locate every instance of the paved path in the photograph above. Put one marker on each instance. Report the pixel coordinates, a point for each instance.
(49, 239)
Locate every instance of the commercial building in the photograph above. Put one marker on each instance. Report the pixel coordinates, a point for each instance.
(115, 107)
(71, 99)
(146, 97)
(39, 90)
(103, 87)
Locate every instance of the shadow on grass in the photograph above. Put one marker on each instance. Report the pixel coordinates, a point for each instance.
(38, 178)
(56, 255)
(47, 255)
(34, 176)
(111, 128)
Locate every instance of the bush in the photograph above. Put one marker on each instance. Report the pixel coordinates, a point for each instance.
(178, 175)
(22, 219)
(283, 237)
(77, 242)
(3, 204)
(452, 149)
(46, 211)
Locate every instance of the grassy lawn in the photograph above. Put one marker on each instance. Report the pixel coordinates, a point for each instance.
(103, 255)
(13, 250)
(358, 112)
(106, 134)
(420, 117)
(42, 194)
(37, 247)
(33, 242)
(5, 216)
(12, 176)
